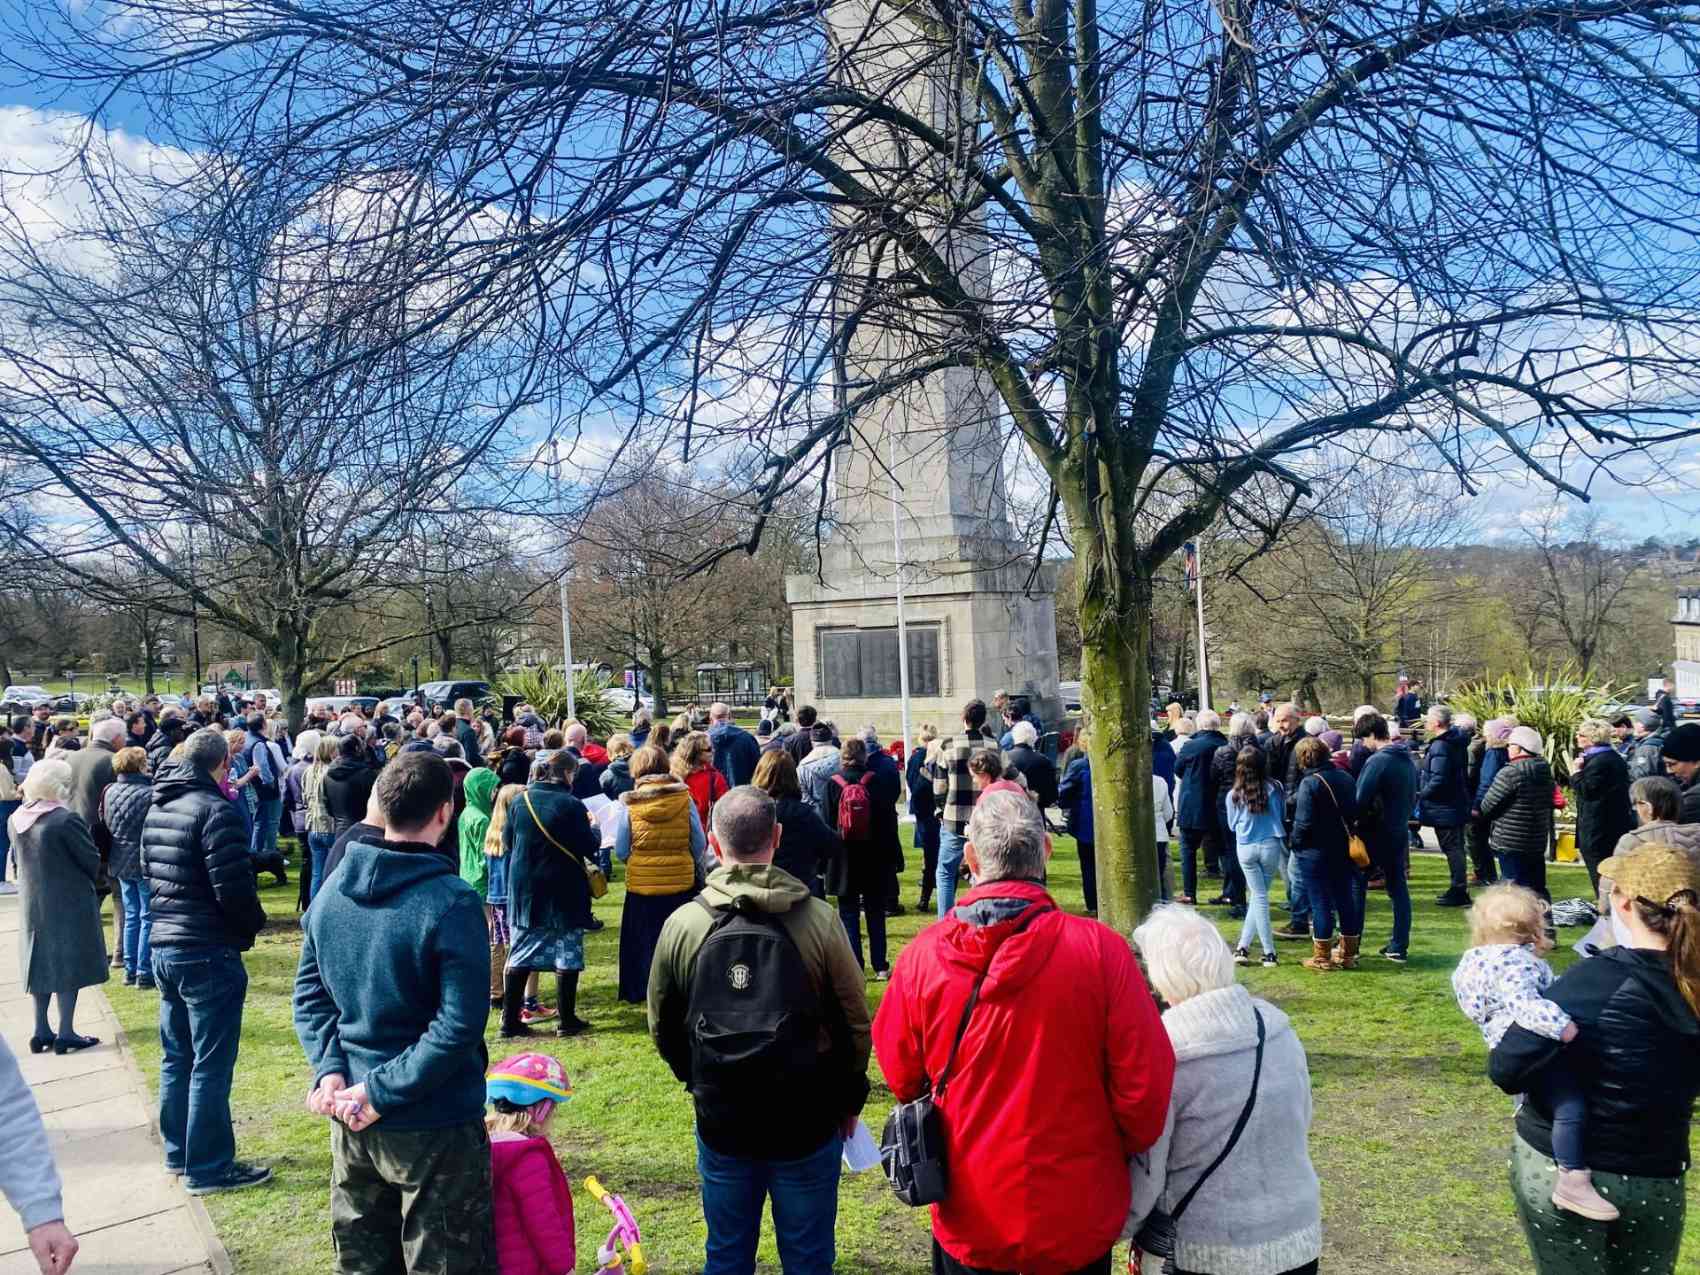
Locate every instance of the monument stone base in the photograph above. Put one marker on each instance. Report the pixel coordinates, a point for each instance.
(974, 627)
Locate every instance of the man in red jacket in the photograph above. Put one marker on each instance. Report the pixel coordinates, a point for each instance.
(1063, 1074)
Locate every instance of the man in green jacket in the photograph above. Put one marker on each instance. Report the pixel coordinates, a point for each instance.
(758, 1005)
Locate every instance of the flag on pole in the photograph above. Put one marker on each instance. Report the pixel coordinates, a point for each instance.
(1189, 553)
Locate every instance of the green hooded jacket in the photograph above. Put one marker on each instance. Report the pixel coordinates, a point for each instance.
(481, 785)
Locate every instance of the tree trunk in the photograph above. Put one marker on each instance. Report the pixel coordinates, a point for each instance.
(657, 681)
(1309, 699)
(1117, 694)
(1368, 687)
(289, 662)
(445, 640)
(148, 644)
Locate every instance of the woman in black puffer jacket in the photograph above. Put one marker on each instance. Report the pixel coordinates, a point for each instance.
(123, 807)
(1637, 1049)
(1518, 808)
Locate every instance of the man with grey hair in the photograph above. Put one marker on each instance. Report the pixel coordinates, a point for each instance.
(1443, 798)
(1281, 749)
(736, 751)
(1004, 988)
(91, 772)
(205, 913)
(759, 950)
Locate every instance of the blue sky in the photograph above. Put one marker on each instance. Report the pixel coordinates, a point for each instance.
(1639, 501)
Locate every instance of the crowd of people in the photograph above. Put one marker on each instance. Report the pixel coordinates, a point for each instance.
(451, 863)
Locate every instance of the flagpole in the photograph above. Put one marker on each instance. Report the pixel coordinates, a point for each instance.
(1198, 594)
(902, 636)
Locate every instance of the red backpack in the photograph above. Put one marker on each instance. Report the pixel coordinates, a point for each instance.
(855, 809)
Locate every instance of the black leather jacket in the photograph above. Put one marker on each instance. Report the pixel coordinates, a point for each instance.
(1637, 1053)
(195, 856)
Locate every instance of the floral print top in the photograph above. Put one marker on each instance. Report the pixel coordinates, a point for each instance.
(1498, 984)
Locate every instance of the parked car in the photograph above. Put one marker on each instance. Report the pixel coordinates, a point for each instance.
(21, 699)
(335, 704)
(446, 693)
(70, 702)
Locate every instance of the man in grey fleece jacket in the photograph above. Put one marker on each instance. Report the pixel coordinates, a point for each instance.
(27, 1175)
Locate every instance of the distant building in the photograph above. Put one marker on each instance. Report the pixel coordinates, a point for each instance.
(1686, 623)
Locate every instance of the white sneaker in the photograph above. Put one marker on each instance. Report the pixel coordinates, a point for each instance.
(6, 887)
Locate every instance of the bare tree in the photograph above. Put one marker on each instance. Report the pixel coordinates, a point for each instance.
(1581, 581)
(1188, 253)
(632, 596)
(221, 395)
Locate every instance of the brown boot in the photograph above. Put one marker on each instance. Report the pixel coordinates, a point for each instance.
(1346, 955)
(498, 961)
(1320, 959)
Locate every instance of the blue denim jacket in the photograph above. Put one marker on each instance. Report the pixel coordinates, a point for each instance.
(1265, 826)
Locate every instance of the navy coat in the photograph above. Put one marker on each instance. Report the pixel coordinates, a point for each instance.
(1198, 807)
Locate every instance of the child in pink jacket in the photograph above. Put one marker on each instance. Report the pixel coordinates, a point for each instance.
(533, 1205)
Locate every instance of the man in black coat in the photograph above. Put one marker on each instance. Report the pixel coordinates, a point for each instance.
(205, 913)
(1036, 768)
(1664, 704)
(1282, 752)
(1199, 806)
(1443, 799)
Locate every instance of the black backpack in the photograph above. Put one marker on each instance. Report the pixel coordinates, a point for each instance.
(754, 1022)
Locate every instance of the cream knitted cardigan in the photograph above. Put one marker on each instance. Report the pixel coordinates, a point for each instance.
(1260, 1213)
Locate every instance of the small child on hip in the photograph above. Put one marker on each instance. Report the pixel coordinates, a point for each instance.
(1501, 980)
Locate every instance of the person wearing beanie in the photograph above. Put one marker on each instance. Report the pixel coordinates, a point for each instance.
(1518, 808)
(531, 1200)
(1646, 754)
(1682, 763)
(817, 767)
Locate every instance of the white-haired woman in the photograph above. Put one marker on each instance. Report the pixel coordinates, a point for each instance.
(1234, 1056)
(61, 947)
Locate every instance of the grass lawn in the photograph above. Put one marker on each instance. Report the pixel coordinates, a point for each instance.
(1410, 1139)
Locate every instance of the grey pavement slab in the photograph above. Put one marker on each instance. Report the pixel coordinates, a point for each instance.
(129, 1215)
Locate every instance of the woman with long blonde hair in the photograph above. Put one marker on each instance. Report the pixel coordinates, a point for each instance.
(693, 766)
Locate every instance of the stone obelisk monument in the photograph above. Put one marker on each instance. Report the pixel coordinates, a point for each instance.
(977, 616)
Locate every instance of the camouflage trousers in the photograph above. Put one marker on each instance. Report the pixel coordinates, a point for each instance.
(412, 1201)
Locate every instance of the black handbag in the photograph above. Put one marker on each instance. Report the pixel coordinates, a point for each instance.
(912, 1146)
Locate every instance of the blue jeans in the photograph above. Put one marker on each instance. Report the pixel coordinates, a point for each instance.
(805, 1209)
(1298, 894)
(1332, 892)
(262, 837)
(319, 847)
(950, 864)
(138, 923)
(1392, 861)
(200, 1026)
(1261, 860)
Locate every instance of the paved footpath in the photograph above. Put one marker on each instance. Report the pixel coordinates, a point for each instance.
(129, 1215)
